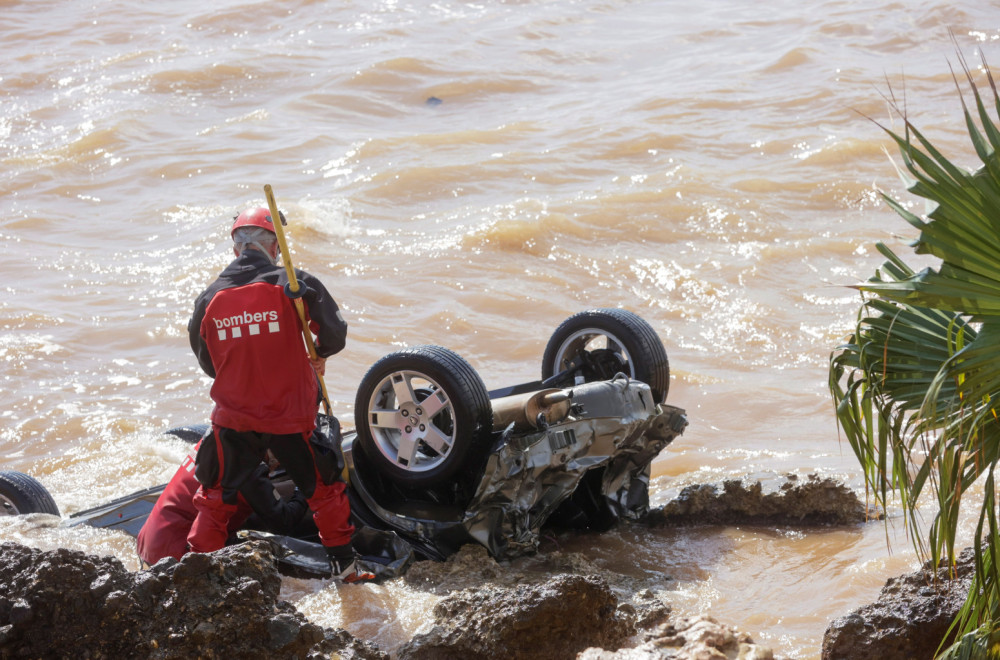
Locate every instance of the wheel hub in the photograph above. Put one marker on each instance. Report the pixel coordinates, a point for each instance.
(420, 434)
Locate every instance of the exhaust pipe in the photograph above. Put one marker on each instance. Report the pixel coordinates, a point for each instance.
(532, 410)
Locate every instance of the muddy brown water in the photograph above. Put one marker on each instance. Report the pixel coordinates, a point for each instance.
(710, 168)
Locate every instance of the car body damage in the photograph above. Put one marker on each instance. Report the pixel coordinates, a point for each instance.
(608, 441)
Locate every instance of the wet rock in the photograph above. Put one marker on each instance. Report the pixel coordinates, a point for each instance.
(648, 610)
(908, 620)
(555, 619)
(64, 603)
(698, 637)
(813, 501)
(472, 563)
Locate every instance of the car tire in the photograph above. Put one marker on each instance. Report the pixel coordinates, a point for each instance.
(20, 494)
(629, 344)
(422, 414)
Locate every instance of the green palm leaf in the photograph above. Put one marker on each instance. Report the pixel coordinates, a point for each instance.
(916, 388)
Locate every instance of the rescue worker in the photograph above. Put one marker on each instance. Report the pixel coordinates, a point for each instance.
(164, 534)
(247, 335)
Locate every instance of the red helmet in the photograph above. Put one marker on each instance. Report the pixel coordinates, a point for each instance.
(258, 217)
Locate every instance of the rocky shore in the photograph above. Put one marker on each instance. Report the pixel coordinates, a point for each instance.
(65, 603)
(908, 620)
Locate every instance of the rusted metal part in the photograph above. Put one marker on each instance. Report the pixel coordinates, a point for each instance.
(531, 410)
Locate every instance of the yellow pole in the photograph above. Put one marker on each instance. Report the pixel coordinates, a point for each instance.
(293, 284)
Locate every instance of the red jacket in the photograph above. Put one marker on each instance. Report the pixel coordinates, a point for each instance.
(164, 534)
(247, 334)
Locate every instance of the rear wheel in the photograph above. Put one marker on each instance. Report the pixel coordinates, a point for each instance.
(598, 343)
(422, 414)
(20, 494)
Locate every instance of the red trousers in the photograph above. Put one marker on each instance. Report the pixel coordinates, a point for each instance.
(226, 460)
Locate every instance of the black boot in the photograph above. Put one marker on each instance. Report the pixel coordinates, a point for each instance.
(344, 564)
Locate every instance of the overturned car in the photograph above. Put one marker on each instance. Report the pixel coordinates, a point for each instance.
(437, 461)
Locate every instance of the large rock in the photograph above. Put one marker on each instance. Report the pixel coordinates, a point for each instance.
(909, 619)
(812, 501)
(64, 603)
(535, 615)
(553, 620)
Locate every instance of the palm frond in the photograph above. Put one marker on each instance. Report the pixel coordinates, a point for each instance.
(916, 388)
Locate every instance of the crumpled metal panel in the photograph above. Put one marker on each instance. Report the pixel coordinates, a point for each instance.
(614, 426)
(626, 479)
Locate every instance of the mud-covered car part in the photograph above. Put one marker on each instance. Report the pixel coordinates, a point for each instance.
(598, 343)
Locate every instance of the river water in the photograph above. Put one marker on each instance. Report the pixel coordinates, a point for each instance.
(470, 174)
